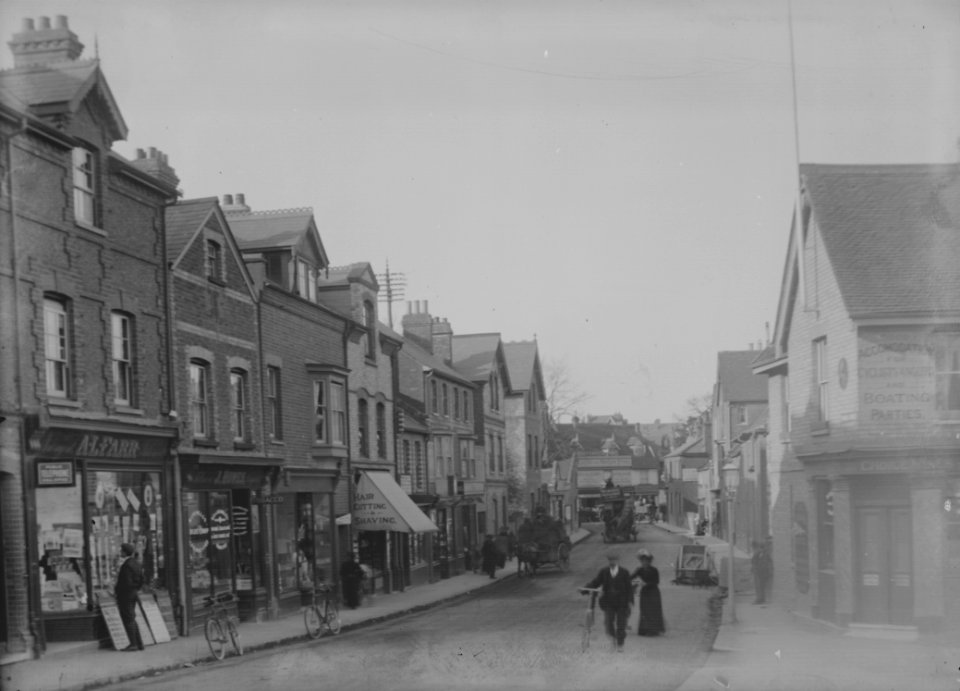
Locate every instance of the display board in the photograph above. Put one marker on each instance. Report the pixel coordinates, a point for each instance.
(118, 634)
(151, 613)
(163, 601)
(144, 628)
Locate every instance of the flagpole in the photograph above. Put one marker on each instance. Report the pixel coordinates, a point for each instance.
(798, 225)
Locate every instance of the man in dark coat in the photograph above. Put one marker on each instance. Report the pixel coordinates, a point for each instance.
(351, 576)
(616, 596)
(127, 592)
(489, 556)
(762, 570)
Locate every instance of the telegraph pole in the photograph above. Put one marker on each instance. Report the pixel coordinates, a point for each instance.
(394, 284)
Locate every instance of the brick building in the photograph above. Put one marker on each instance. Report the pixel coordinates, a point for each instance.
(454, 478)
(864, 382)
(84, 370)
(305, 413)
(217, 382)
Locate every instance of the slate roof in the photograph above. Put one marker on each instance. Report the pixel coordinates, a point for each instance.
(892, 234)
(474, 355)
(736, 378)
(255, 230)
(521, 356)
(183, 221)
(61, 87)
(425, 358)
(695, 448)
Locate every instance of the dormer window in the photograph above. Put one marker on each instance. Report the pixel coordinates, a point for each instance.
(306, 281)
(84, 187)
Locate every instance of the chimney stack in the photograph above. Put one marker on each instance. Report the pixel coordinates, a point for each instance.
(154, 162)
(417, 326)
(39, 44)
(442, 338)
(235, 203)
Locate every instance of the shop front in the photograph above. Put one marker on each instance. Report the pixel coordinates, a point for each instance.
(89, 492)
(226, 550)
(306, 535)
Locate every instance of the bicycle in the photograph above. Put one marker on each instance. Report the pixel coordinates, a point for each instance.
(220, 627)
(323, 614)
(588, 617)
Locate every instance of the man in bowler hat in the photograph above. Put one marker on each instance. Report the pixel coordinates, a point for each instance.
(127, 592)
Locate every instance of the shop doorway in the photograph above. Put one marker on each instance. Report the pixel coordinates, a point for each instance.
(884, 573)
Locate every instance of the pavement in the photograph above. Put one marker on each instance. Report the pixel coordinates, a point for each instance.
(75, 667)
(769, 648)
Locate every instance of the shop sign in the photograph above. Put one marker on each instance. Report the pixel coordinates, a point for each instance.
(56, 474)
(195, 477)
(271, 499)
(70, 443)
(896, 376)
(220, 529)
(907, 465)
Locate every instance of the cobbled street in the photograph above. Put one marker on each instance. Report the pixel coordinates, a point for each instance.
(522, 633)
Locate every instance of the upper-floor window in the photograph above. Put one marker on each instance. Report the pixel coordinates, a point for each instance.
(330, 412)
(741, 414)
(363, 428)
(214, 261)
(491, 454)
(445, 399)
(122, 348)
(306, 281)
(821, 376)
(419, 472)
(274, 404)
(370, 321)
(947, 361)
(57, 349)
(466, 406)
(238, 404)
(320, 411)
(381, 430)
(405, 468)
(529, 450)
(456, 403)
(84, 186)
(500, 454)
(434, 399)
(200, 399)
(338, 412)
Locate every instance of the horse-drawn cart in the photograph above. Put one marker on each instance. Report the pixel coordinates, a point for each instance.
(532, 555)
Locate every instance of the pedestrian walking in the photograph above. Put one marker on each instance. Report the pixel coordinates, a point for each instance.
(762, 565)
(651, 606)
(502, 541)
(616, 597)
(127, 593)
(351, 577)
(489, 556)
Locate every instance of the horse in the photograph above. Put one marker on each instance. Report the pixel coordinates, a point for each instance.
(528, 558)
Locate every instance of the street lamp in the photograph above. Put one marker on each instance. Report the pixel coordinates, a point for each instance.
(731, 481)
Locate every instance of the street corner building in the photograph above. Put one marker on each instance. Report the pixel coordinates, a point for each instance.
(864, 395)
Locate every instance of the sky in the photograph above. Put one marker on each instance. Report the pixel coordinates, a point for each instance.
(614, 178)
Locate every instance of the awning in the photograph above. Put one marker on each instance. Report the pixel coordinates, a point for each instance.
(380, 504)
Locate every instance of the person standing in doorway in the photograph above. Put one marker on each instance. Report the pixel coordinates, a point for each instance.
(351, 577)
(127, 593)
(651, 606)
(616, 597)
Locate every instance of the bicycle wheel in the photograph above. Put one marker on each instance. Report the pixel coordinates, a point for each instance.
(313, 621)
(234, 636)
(332, 618)
(215, 638)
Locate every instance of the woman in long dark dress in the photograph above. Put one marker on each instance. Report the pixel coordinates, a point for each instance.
(651, 607)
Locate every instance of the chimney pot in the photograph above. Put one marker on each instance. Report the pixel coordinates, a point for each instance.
(241, 198)
(28, 26)
(409, 307)
(152, 152)
(61, 21)
(416, 305)
(426, 306)
(44, 22)
(228, 200)
(141, 153)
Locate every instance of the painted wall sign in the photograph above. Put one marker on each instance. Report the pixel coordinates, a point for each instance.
(896, 376)
(56, 474)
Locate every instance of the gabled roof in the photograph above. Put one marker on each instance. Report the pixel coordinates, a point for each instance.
(523, 364)
(693, 448)
(60, 88)
(892, 234)
(476, 355)
(736, 380)
(357, 272)
(282, 228)
(425, 358)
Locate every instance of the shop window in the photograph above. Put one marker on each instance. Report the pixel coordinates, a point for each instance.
(274, 404)
(238, 405)
(210, 562)
(63, 583)
(245, 521)
(200, 400)
(84, 186)
(363, 427)
(303, 541)
(381, 430)
(947, 361)
(57, 347)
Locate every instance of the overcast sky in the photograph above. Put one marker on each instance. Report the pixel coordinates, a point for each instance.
(614, 177)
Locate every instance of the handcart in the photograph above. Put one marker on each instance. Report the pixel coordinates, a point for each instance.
(695, 566)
